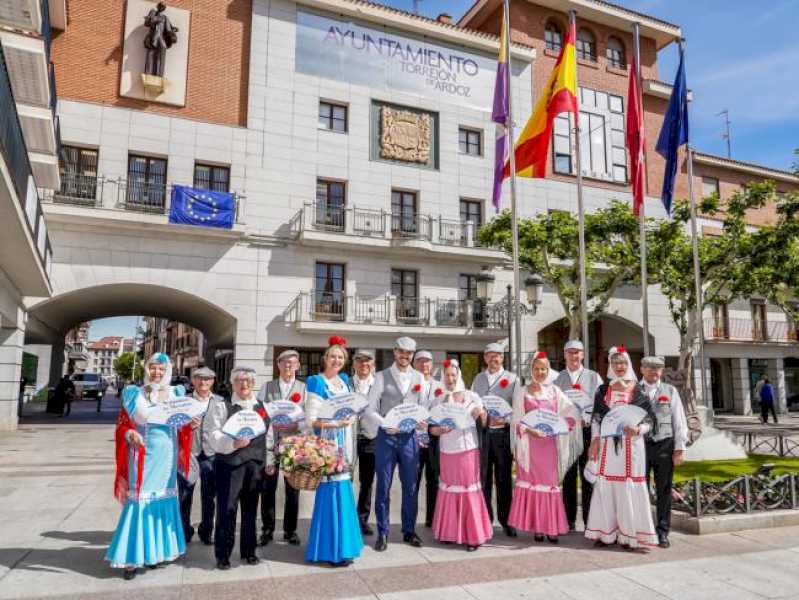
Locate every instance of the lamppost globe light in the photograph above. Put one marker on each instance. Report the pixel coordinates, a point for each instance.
(534, 287)
(485, 284)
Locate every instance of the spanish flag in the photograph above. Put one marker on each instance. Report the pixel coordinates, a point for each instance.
(559, 95)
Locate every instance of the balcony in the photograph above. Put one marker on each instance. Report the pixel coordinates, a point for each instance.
(370, 229)
(82, 197)
(334, 311)
(25, 241)
(750, 331)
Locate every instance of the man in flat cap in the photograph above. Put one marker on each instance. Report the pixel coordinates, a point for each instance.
(285, 387)
(363, 377)
(428, 444)
(202, 462)
(496, 459)
(399, 384)
(666, 441)
(580, 385)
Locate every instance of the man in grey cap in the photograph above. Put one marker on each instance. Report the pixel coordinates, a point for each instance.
(580, 385)
(394, 386)
(285, 387)
(363, 378)
(666, 441)
(428, 444)
(496, 460)
(202, 458)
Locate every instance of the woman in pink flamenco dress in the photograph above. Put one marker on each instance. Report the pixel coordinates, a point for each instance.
(542, 461)
(461, 515)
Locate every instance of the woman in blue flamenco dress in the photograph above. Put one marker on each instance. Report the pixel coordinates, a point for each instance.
(335, 535)
(149, 531)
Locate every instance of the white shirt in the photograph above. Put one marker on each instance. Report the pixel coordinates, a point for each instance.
(574, 376)
(493, 377)
(461, 440)
(679, 424)
(201, 439)
(217, 416)
(403, 378)
(362, 386)
(285, 387)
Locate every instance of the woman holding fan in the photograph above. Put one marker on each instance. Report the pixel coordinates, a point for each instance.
(461, 515)
(542, 460)
(620, 510)
(335, 534)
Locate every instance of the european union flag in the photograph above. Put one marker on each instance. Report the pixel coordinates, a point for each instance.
(205, 208)
(674, 132)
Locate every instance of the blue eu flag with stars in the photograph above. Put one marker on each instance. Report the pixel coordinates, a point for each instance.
(204, 208)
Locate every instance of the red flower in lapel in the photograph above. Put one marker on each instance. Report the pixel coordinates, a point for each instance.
(417, 388)
(503, 383)
(438, 392)
(261, 412)
(296, 397)
(577, 386)
(663, 398)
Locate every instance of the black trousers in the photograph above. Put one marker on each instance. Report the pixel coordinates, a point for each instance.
(496, 463)
(207, 499)
(290, 509)
(185, 496)
(765, 407)
(236, 485)
(428, 466)
(570, 484)
(660, 463)
(366, 476)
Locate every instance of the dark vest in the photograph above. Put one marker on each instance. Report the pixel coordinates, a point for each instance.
(255, 451)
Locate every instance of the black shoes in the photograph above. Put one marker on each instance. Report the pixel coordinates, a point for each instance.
(223, 565)
(471, 548)
(381, 544)
(663, 540)
(538, 537)
(292, 538)
(265, 538)
(510, 531)
(340, 564)
(366, 529)
(412, 539)
(129, 574)
(252, 560)
(553, 539)
(208, 541)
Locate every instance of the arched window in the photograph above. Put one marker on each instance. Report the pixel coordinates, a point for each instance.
(615, 53)
(586, 45)
(553, 36)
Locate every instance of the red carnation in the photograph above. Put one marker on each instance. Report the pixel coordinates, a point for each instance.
(577, 386)
(663, 398)
(621, 349)
(540, 354)
(503, 383)
(337, 340)
(261, 412)
(447, 363)
(438, 392)
(417, 388)
(296, 397)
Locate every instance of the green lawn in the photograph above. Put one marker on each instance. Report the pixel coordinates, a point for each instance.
(724, 470)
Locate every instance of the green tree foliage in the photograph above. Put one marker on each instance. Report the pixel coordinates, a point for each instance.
(123, 366)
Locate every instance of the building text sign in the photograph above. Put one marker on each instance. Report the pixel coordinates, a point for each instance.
(379, 58)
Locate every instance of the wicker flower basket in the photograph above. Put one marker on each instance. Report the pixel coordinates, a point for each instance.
(303, 480)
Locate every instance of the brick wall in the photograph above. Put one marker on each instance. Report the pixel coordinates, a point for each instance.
(88, 58)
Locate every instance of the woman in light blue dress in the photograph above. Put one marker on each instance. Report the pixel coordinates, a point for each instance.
(335, 535)
(149, 531)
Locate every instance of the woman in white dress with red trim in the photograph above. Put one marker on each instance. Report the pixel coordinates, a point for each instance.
(620, 509)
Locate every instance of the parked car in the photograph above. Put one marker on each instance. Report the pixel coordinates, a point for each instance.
(88, 385)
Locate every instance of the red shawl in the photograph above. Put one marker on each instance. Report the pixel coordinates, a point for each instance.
(122, 478)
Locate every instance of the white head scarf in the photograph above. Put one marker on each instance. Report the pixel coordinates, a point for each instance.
(459, 385)
(161, 358)
(629, 375)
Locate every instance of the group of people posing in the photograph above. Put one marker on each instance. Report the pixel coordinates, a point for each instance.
(158, 465)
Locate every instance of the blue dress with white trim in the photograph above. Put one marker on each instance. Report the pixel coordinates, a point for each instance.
(335, 533)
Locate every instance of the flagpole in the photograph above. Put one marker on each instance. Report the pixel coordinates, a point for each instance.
(642, 208)
(515, 314)
(580, 219)
(700, 326)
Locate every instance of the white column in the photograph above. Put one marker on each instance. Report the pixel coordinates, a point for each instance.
(776, 374)
(11, 342)
(741, 392)
(700, 393)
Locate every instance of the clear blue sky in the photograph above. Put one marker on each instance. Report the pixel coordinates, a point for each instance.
(741, 55)
(124, 326)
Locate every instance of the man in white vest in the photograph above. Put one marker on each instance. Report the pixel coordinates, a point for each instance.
(666, 441)
(496, 460)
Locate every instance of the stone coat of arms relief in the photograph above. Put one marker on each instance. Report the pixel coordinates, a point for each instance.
(405, 135)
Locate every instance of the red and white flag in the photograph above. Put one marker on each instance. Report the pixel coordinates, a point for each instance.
(635, 139)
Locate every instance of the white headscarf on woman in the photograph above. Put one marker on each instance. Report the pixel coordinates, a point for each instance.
(163, 359)
(630, 374)
(460, 386)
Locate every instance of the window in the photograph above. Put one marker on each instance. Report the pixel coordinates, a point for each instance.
(332, 117)
(586, 45)
(212, 177)
(721, 321)
(330, 199)
(78, 173)
(472, 210)
(615, 53)
(405, 286)
(146, 183)
(329, 290)
(404, 218)
(470, 142)
(553, 36)
(602, 142)
(710, 186)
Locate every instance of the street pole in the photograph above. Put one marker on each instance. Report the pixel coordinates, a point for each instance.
(642, 210)
(581, 220)
(510, 327)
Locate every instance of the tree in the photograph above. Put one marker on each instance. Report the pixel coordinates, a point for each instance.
(123, 367)
(548, 246)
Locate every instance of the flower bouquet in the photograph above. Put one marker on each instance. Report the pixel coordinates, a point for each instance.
(305, 459)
